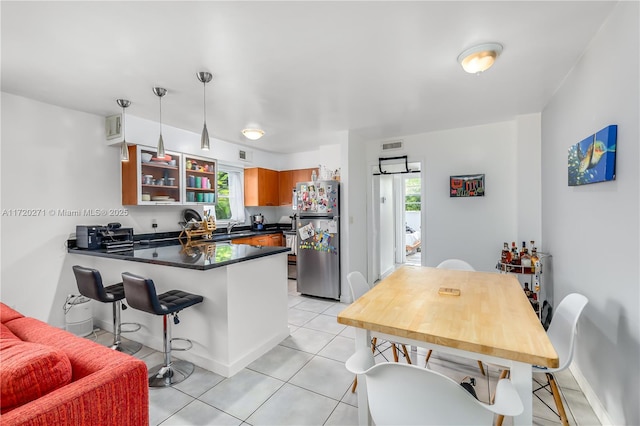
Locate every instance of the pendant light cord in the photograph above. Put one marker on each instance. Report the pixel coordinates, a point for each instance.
(204, 101)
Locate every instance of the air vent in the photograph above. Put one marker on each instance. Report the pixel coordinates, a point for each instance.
(394, 145)
(245, 155)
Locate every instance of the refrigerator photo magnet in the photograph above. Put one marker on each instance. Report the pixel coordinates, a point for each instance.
(306, 231)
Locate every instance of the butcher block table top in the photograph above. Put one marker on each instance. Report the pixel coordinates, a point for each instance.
(490, 316)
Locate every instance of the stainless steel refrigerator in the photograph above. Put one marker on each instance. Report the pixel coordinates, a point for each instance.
(318, 228)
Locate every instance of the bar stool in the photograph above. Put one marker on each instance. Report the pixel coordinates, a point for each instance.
(141, 294)
(90, 285)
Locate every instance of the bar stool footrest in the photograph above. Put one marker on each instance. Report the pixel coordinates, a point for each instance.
(137, 325)
(190, 343)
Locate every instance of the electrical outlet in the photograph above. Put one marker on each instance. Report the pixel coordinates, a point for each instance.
(154, 223)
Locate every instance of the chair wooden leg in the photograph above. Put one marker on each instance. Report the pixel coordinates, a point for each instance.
(406, 353)
(481, 367)
(395, 352)
(374, 342)
(355, 385)
(426, 359)
(503, 375)
(558, 399)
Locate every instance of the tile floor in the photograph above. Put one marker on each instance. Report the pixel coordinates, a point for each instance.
(303, 381)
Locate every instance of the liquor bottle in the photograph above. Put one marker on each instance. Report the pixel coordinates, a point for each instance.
(524, 246)
(515, 256)
(525, 260)
(534, 258)
(505, 256)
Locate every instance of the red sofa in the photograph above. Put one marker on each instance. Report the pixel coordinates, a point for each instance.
(52, 377)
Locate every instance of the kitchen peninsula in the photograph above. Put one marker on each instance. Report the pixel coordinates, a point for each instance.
(244, 313)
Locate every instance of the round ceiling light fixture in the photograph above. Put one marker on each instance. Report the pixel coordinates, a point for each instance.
(253, 134)
(479, 58)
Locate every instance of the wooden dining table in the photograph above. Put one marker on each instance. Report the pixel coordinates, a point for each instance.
(490, 320)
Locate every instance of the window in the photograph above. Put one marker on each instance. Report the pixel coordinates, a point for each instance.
(412, 195)
(230, 194)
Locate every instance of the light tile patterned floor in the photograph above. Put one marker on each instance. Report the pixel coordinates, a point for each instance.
(303, 381)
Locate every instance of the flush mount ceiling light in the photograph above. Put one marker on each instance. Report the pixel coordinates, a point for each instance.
(204, 78)
(479, 58)
(124, 150)
(160, 92)
(253, 134)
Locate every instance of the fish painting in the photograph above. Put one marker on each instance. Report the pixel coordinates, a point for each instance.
(593, 159)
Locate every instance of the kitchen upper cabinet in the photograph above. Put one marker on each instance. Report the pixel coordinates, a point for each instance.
(261, 187)
(147, 180)
(286, 184)
(288, 181)
(303, 175)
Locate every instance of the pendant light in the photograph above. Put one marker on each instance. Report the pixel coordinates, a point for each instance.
(124, 150)
(204, 78)
(160, 92)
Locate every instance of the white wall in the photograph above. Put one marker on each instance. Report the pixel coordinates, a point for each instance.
(472, 228)
(593, 231)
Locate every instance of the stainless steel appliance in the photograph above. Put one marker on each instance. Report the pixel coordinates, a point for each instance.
(318, 234)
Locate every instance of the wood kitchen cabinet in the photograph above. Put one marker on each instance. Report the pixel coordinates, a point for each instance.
(288, 180)
(261, 240)
(200, 180)
(261, 187)
(151, 182)
(285, 184)
(303, 175)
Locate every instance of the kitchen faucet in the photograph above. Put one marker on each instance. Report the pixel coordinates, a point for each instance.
(230, 226)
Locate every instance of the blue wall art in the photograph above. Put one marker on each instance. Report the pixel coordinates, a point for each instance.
(594, 158)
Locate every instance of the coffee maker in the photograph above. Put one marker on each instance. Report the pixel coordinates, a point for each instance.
(257, 222)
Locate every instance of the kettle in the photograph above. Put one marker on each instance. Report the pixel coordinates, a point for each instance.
(257, 222)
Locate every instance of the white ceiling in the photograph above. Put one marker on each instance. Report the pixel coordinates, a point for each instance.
(302, 71)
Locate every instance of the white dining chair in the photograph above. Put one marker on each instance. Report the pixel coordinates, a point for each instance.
(457, 265)
(401, 394)
(359, 286)
(562, 334)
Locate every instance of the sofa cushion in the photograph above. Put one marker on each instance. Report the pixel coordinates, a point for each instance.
(6, 333)
(29, 371)
(8, 314)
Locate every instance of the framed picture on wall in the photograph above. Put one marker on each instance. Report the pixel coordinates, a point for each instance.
(466, 186)
(593, 159)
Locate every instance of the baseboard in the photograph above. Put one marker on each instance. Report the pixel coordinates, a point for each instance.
(591, 396)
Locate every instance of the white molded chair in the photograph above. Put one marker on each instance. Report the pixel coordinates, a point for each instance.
(562, 333)
(401, 394)
(359, 286)
(458, 265)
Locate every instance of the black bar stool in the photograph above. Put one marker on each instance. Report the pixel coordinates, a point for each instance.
(141, 294)
(90, 285)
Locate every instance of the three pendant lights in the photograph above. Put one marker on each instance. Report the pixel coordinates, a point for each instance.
(204, 78)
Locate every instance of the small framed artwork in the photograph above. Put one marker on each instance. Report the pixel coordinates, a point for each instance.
(593, 159)
(466, 186)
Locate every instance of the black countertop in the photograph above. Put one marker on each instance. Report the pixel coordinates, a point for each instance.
(200, 254)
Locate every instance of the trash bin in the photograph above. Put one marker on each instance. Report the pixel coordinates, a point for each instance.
(78, 315)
